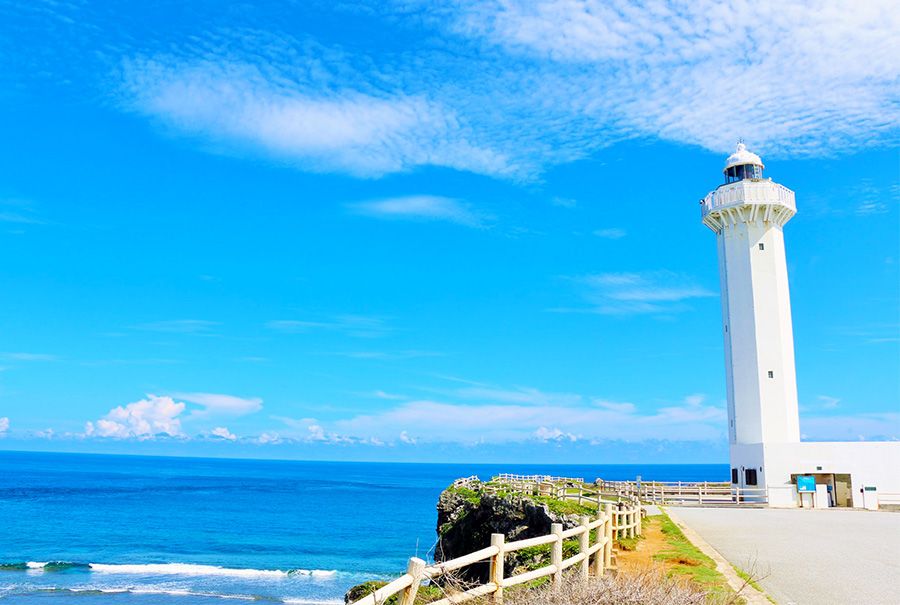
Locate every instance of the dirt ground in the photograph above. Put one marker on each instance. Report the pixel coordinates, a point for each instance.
(630, 561)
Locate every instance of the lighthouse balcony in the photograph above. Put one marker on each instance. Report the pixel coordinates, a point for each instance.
(748, 199)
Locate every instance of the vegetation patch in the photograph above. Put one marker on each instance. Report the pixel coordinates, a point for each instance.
(749, 580)
(427, 593)
(468, 494)
(565, 507)
(686, 560)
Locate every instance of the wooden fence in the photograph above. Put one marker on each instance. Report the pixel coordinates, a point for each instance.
(614, 519)
(680, 492)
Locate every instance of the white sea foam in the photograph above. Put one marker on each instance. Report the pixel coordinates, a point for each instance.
(187, 569)
(36, 564)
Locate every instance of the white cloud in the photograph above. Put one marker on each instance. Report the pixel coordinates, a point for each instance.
(20, 356)
(18, 211)
(223, 433)
(179, 326)
(545, 434)
(615, 406)
(379, 394)
(524, 395)
(513, 86)
(321, 127)
(610, 233)
(268, 438)
(812, 81)
(828, 403)
(162, 415)
(360, 326)
(436, 421)
(868, 426)
(564, 202)
(4, 424)
(217, 404)
(405, 438)
(142, 419)
(422, 208)
(651, 292)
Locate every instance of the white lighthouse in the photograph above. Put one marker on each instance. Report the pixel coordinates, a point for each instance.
(748, 213)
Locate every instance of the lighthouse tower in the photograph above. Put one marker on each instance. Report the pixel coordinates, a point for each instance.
(748, 213)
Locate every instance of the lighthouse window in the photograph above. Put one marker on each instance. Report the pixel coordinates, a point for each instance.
(744, 171)
(750, 476)
(762, 246)
(771, 374)
(734, 475)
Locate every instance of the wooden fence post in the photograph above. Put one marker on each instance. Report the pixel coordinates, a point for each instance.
(597, 562)
(608, 530)
(556, 553)
(584, 543)
(640, 520)
(414, 568)
(497, 567)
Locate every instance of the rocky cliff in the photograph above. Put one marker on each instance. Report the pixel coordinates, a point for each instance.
(467, 516)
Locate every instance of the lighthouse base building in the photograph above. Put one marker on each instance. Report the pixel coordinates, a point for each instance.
(768, 460)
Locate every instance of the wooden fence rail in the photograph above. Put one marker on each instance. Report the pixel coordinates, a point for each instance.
(679, 492)
(614, 519)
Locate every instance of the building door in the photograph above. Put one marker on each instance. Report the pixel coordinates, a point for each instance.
(843, 492)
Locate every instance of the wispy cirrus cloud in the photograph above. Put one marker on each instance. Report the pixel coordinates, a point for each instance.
(19, 211)
(422, 208)
(218, 404)
(25, 356)
(360, 326)
(650, 292)
(320, 126)
(179, 326)
(611, 233)
(872, 426)
(667, 69)
(513, 87)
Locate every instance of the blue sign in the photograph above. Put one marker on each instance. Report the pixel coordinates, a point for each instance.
(806, 483)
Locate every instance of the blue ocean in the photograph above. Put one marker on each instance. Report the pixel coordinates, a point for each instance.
(113, 529)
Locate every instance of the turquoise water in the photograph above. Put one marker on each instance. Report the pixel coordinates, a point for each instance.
(112, 529)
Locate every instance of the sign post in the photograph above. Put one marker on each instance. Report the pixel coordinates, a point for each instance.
(806, 488)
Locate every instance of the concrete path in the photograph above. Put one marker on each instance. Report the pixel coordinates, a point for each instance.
(819, 557)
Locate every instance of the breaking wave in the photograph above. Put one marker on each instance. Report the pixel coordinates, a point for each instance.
(174, 569)
(188, 593)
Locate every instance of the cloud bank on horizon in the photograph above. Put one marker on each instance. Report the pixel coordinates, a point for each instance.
(468, 416)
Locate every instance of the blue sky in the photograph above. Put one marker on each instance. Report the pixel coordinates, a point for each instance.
(431, 231)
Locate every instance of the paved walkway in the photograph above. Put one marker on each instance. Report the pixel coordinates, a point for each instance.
(819, 557)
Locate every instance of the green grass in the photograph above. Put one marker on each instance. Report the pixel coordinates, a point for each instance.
(427, 593)
(753, 583)
(565, 507)
(469, 495)
(686, 560)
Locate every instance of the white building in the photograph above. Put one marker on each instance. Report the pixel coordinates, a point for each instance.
(748, 213)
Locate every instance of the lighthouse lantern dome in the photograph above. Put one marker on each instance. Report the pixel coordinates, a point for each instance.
(743, 164)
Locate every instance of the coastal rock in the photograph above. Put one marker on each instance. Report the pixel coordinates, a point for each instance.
(468, 516)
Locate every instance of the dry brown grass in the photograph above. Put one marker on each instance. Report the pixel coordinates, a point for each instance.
(650, 587)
